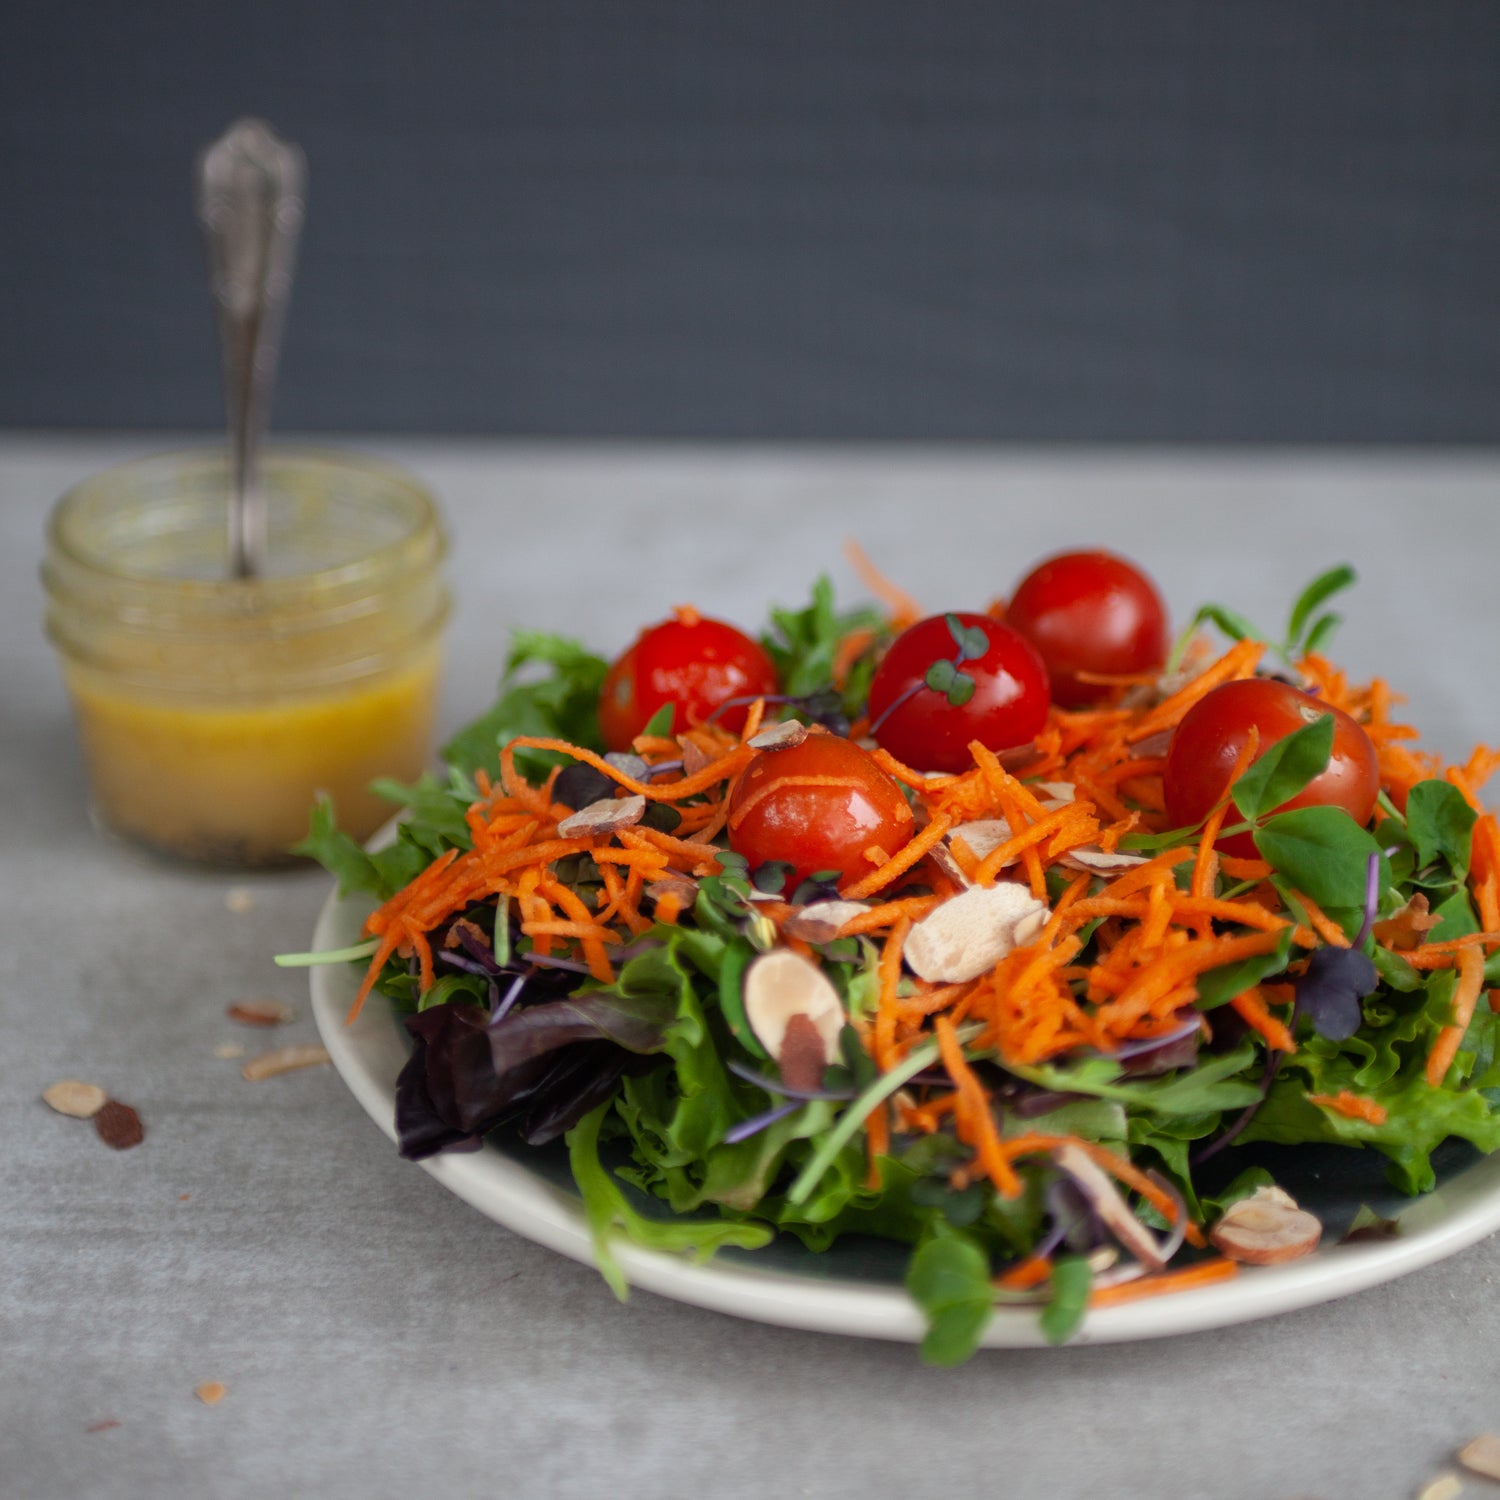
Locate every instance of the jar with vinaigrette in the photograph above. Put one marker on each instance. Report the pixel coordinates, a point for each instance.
(213, 710)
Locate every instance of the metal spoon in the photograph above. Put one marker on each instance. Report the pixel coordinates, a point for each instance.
(250, 192)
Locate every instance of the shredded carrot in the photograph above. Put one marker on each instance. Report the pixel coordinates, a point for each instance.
(904, 609)
(900, 863)
(1250, 1005)
(1202, 1273)
(1465, 997)
(1353, 1106)
(1025, 1274)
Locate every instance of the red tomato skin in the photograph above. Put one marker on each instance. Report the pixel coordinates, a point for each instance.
(1090, 612)
(1009, 706)
(1207, 742)
(692, 662)
(814, 827)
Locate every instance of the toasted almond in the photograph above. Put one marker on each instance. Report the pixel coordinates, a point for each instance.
(284, 1060)
(941, 854)
(82, 1101)
(119, 1126)
(211, 1392)
(1445, 1487)
(783, 736)
(607, 815)
(684, 887)
(1096, 861)
(780, 985)
(1104, 1197)
(819, 922)
(971, 932)
(1482, 1456)
(983, 836)
(694, 757)
(1266, 1229)
(1055, 794)
(259, 1012)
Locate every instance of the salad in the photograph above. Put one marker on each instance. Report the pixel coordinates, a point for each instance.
(996, 934)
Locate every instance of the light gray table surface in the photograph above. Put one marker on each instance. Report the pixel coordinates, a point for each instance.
(379, 1338)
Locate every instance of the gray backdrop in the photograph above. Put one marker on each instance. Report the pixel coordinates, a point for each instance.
(1085, 219)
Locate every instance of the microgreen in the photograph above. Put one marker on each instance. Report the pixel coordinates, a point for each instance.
(946, 675)
(1307, 630)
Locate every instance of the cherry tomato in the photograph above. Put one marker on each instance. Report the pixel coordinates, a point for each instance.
(1090, 612)
(689, 661)
(1208, 741)
(930, 727)
(819, 806)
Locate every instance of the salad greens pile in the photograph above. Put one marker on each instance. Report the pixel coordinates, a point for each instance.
(664, 1093)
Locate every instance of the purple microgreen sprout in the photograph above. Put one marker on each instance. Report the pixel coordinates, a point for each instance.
(824, 706)
(945, 675)
(1338, 979)
(756, 1123)
(776, 1086)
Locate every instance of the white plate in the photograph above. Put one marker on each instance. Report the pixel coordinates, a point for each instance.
(855, 1288)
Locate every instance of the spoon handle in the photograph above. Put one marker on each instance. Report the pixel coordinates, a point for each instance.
(250, 194)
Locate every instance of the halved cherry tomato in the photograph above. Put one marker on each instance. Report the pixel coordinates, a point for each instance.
(1207, 742)
(1090, 612)
(820, 805)
(689, 661)
(930, 727)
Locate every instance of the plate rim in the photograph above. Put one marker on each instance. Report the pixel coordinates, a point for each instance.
(368, 1054)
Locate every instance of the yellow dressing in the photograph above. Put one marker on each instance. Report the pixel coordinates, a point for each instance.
(235, 783)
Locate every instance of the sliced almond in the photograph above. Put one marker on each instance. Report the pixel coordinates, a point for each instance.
(1445, 1487)
(783, 736)
(1482, 1456)
(942, 856)
(1266, 1228)
(1096, 861)
(1104, 1197)
(672, 884)
(1055, 794)
(119, 1126)
(820, 921)
(284, 1060)
(607, 815)
(81, 1101)
(694, 757)
(971, 932)
(780, 985)
(983, 836)
(259, 1012)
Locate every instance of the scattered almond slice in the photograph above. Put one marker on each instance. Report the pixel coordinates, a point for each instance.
(684, 887)
(1095, 861)
(259, 1012)
(942, 856)
(119, 1126)
(211, 1392)
(1266, 1229)
(973, 931)
(820, 921)
(1482, 1456)
(783, 736)
(284, 1060)
(983, 836)
(607, 815)
(1446, 1486)
(782, 986)
(1058, 793)
(80, 1101)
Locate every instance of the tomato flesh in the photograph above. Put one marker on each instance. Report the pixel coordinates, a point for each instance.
(920, 726)
(691, 662)
(818, 806)
(1212, 733)
(1090, 613)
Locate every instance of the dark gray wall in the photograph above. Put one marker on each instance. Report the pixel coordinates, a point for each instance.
(1086, 219)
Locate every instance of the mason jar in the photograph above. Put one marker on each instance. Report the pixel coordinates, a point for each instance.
(214, 710)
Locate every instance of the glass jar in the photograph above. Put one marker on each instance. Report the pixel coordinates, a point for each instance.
(213, 710)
